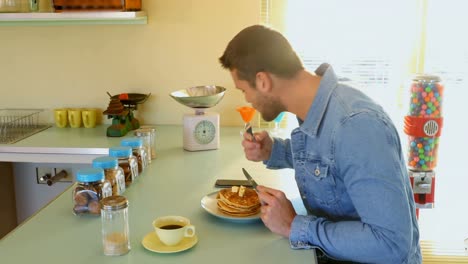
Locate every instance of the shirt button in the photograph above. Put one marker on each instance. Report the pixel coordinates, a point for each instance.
(303, 197)
(317, 171)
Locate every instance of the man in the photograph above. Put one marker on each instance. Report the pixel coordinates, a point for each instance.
(346, 154)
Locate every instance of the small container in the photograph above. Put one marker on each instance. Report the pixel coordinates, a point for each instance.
(139, 151)
(112, 172)
(91, 187)
(115, 231)
(423, 124)
(132, 5)
(88, 5)
(33, 5)
(13, 6)
(152, 130)
(145, 135)
(127, 162)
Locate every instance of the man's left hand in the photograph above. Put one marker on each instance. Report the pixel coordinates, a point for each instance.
(277, 211)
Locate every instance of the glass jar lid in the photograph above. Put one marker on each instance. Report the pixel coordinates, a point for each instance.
(105, 162)
(134, 142)
(114, 202)
(120, 152)
(143, 132)
(90, 175)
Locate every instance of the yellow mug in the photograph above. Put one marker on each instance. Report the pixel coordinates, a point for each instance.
(89, 117)
(61, 117)
(74, 117)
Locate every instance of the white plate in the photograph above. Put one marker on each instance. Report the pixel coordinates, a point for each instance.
(209, 203)
(151, 242)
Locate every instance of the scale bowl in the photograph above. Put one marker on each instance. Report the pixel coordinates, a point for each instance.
(131, 98)
(199, 96)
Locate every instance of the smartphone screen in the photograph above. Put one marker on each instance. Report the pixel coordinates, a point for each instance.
(229, 183)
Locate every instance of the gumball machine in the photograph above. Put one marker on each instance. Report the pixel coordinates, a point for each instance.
(423, 125)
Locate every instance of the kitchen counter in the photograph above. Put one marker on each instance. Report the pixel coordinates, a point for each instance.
(173, 184)
(61, 145)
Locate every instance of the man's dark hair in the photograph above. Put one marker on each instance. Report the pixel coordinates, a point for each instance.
(258, 48)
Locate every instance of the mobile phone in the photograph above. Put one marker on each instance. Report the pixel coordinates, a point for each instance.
(222, 183)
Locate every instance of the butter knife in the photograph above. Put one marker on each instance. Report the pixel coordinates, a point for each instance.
(250, 179)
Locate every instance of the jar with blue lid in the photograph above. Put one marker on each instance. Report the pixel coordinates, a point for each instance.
(91, 187)
(127, 161)
(139, 151)
(112, 172)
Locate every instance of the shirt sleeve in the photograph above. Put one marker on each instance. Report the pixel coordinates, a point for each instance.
(281, 156)
(368, 159)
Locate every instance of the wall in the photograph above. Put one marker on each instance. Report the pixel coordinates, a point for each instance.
(74, 66)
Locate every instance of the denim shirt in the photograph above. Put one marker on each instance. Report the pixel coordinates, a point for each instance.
(352, 178)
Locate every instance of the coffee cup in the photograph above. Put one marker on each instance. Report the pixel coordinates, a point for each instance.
(172, 229)
(61, 117)
(89, 117)
(74, 117)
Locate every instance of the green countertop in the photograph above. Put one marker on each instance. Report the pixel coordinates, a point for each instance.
(61, 145)
(173, 184)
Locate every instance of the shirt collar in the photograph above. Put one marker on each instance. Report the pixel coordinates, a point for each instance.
(311, 124)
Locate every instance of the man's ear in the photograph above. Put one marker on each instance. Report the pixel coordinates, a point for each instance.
(263, 82)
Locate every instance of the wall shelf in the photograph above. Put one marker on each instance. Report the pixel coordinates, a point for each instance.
(73, 18)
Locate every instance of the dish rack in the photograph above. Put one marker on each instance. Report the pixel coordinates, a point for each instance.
(17, 124)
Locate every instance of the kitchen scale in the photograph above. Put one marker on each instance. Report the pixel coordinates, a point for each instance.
(120, 110)
(201, 129)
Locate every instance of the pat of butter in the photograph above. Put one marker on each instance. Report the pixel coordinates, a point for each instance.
(234, 189)
(241, 191)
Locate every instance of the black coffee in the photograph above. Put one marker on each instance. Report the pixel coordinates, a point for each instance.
(171, 227)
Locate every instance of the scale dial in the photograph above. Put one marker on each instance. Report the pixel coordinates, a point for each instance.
(204, 132)
(201, 132)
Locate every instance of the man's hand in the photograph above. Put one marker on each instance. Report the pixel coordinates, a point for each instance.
(259, 150)
(277, 211)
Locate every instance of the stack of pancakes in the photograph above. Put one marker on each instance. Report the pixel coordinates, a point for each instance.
(231, 203)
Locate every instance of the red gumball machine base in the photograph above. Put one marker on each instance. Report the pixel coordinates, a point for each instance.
(423, 183)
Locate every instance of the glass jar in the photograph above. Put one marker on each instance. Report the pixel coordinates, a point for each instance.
(33, 5)
(138, 150)
(91, 187)
(114, 226)
(112, 172)
(153, 140)
(146, 135)
(424, 121)
(127, 162)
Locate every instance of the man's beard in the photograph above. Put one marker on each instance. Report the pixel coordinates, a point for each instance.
(270, 108)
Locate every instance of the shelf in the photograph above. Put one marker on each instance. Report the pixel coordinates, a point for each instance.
(73, 18)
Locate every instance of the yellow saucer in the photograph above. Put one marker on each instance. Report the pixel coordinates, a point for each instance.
(152, 243)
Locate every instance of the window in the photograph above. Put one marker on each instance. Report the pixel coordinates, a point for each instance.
(378, 45)
(361, 39)
(446, 55)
